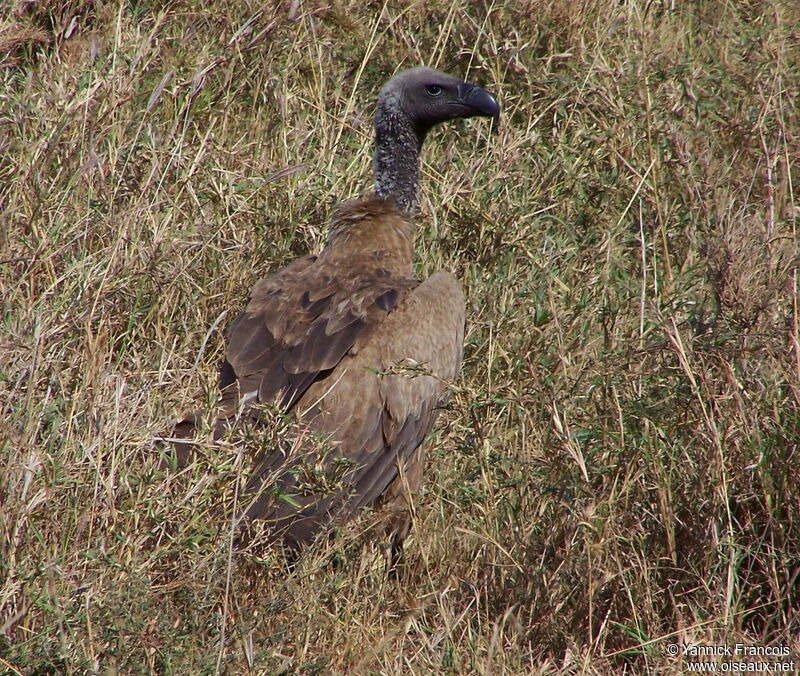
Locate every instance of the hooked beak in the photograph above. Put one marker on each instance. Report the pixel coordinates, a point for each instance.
(481, 101)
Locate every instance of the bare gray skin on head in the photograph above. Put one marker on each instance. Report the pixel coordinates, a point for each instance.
(409, 105)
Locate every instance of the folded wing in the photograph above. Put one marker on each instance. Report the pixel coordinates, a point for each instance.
(361, 424)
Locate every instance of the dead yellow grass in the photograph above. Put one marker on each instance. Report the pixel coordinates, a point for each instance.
(618, 470)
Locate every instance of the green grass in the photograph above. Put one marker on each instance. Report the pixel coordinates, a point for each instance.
(619, 467)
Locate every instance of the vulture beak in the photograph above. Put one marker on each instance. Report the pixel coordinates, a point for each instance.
(481, 101)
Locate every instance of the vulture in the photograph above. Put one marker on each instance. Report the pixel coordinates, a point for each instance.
(351, 345)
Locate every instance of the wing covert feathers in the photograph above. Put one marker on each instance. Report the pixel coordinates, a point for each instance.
(302, 320)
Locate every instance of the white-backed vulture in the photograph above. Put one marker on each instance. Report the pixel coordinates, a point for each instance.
(323, 337)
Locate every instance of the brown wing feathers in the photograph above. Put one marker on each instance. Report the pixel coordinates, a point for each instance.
(374, 421)
(291, 333)
(372, 462)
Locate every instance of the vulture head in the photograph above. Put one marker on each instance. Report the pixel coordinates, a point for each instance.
(409, 105)
(426, 97)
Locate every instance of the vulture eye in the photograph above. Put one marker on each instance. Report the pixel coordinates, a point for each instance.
(433, 90)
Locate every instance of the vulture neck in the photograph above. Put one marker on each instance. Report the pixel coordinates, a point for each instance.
(395, 164)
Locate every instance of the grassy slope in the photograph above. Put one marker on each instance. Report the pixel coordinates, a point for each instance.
(621, 459)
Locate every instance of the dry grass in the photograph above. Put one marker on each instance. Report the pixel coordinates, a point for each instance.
(619, 469)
